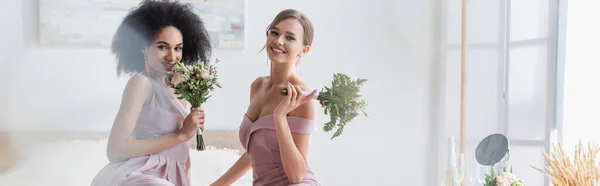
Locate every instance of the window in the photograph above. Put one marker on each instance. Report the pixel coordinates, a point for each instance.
(511, 78)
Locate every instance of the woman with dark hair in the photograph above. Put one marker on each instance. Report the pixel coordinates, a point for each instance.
(275, 130)
(148, 143)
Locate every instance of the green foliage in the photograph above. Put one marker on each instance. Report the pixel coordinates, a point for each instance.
(341, 102)
(490, 179)
(194, 83)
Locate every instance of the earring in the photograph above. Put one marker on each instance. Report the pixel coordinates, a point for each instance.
(299, 67)
(267, 60)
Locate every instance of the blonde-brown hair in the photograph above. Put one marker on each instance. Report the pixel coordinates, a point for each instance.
(294, 14)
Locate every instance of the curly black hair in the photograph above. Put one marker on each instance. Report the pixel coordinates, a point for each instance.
(143, 24)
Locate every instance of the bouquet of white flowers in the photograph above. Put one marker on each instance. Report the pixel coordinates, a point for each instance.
(504, 178)
(194, 83)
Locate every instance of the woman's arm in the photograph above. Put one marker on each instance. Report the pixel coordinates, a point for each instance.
(120, 145)
(237, 170)
(293, 147)
(188, 165)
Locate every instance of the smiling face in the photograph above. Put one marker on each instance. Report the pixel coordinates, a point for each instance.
(164, 51)
(286, 41)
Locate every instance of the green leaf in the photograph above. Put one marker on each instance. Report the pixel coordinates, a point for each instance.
(364, 113)
(337, 109)
(351, 116)
(342, 111)
(360, 81)
(328, 126)
(332, 118)
(338, 132)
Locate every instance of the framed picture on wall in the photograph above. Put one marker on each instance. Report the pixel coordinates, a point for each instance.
(92, 23)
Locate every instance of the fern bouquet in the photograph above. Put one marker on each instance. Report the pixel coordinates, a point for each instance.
(342, 102)
(195, 84)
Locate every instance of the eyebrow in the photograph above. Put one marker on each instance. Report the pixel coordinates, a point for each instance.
(288, 32)
(165, 43)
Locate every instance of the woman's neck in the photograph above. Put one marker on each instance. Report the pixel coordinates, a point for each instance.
(281, 74)
(156, 77)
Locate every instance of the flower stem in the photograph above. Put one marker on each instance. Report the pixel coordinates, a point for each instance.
(284, 92)
(200, 141)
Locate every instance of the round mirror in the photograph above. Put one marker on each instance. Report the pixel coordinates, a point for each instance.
(492, 150)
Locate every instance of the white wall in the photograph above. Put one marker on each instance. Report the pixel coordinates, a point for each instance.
(9, 52)
(389, 43)
(581, 75)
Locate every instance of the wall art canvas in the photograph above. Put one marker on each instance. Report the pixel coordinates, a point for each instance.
(92, 23)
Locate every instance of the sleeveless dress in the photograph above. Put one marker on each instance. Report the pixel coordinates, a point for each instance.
(260, 141)
(161, 114)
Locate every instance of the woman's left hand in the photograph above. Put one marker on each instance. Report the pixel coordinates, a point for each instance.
(294, 99)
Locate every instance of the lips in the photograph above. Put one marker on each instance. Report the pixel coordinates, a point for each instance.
(277, 51)
(167, 66)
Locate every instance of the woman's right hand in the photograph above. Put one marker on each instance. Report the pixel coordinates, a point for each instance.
(193, 122)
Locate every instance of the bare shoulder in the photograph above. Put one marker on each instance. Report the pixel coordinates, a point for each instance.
(259, 81)
(139, 82)
(306, 110)
(303, 85)
(138, 86)
(256, 85)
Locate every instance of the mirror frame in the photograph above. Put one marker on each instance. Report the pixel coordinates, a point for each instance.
(492, 150)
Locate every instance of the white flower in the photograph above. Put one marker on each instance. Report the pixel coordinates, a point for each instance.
(507, 179)
(176, 79)
(205, 74)
(504, 179)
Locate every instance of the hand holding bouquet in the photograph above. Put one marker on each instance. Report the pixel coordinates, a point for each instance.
(194, 83)
(341, 102)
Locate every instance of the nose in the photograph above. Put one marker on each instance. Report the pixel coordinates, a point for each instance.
(171, 58)
(279, 40)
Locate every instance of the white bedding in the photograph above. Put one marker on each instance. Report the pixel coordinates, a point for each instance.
(76, 162)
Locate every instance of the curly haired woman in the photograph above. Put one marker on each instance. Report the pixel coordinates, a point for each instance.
(148, 143)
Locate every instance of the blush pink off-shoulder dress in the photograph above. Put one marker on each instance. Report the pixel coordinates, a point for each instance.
(161, 114)
(260, 141)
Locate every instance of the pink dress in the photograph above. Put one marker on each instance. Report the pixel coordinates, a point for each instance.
(161, 114)
(260, 141)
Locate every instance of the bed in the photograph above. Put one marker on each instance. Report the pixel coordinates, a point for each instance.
(73, 158)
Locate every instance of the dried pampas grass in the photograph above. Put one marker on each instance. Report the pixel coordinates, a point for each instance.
(583, 171)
